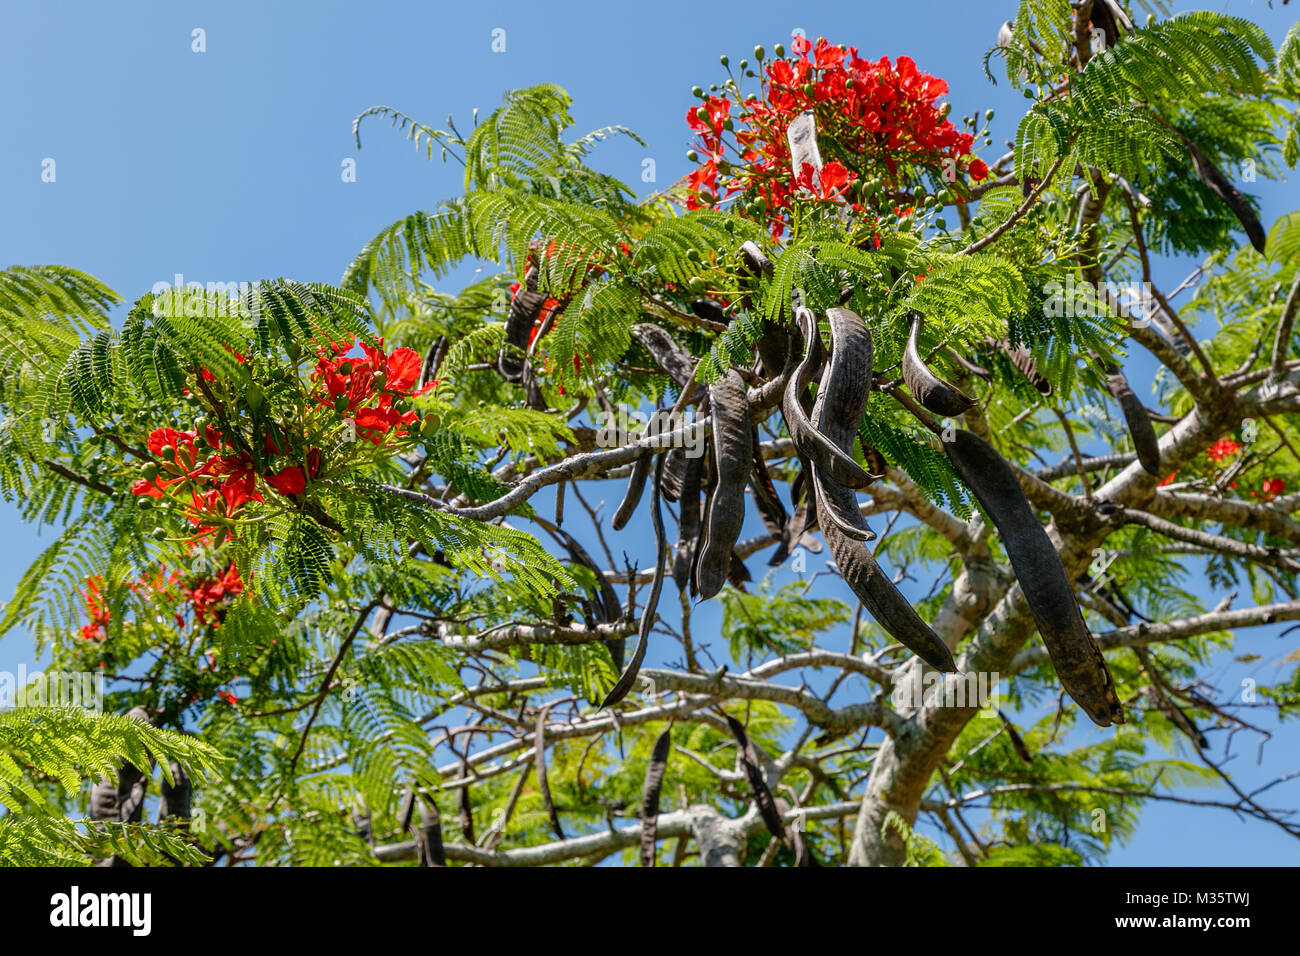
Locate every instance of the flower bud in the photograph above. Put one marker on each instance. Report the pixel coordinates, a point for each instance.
(723, 60)
(693, 156)
(759, 53)
(779, 50)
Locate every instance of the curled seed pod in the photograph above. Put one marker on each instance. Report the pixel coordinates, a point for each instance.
(524, 310)
(1140, 428)
(174, 800)
(970, 366)
(650, 787)
(628, 677)
(884, 601)
(688, 524)
(757, 784)
(837, 412)
(930, 390)
(635, 487)
(1024, 362)
(710, 311)
(810, 443)
(773, 350)
(670, 357)
(755, 261)
(1017, 742)
(732, 461)
(430, 837)
(1222, 187)
(1042, 576)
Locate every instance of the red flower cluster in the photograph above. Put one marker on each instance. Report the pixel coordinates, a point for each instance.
(1222, 449)
(874, 118)
(367, 389)
(96, 610)
(205, 597)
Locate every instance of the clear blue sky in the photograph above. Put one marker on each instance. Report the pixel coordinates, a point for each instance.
(225, 165)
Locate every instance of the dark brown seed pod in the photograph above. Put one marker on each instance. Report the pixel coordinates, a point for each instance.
(465, 809)
(710, 311)
(650, 787)
(757, 784)
(732, 462)
(737, 574)
(1042, 576)
(1222, 187)
(671, 357)
(811, 444)
(674, 473)
(1017, 742)
(524, 310)
(609, 608)
(174, 800)
(769, 505)
(430, 837)
(773, 350)
(837, 413)
(628, 677)
(635, 488)
(688, 524)
(755, 261)
(1024, 362)
(883, 600)
(1139, 424)
(539, 763)
(930, 390)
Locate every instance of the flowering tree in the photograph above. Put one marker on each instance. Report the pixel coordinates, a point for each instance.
(342, 552)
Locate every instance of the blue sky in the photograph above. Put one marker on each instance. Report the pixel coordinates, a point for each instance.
(225, 165)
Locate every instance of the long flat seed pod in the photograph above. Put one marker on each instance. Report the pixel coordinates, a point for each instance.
(1042, 576)
(465, 808)
(769, 505)
(539, 762)
(811, 444)
(524, 310)
(628, 677)
(635, 488)
(737, 574)
(609, 608)
(671, 357)
(732, 460)
(1017, 742)
(650, 787)
(430, 841)
(934, 394)
(1222, 187)
(773, 350)
(757, 785)
(174, 800)
(883, 601)
(674, 473)
(837, 413)
(688, 525)
(1139, 424)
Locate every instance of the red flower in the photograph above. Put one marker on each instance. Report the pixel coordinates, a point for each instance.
(1274, 486)
(288, 481)
(978, 170)
(1168, 480)
(96, 609)
(1223, 448)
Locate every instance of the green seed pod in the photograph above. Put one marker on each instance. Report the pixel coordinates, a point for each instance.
(693, 156)
(168, 451)
(988, 114)
(150, 470)
(941, 223)
(341, 403)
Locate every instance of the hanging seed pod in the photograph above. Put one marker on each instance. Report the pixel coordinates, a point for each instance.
(635, 487)
(1222, 187)
(810, 443)
(1042, 576)
(539, 762)
(1139, 424)
(769, 505)
(1024, 362)
(732, 461)
(1017, 742)
(737, 574)
(628, 677)
(932, 392)
(174, 800)
(688, 525)
(524, 310)
(674, 473)
(671, 357)
(757, 784)
(773, 350)
(609, 608)
(430, 838)
(837, 413)
(650, 787)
